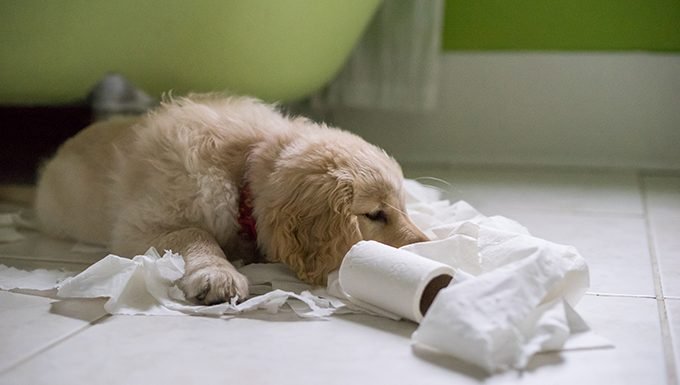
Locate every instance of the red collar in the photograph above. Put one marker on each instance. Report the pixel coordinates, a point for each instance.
(246, 220)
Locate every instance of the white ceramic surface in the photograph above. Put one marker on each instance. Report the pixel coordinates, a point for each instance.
(614, 218)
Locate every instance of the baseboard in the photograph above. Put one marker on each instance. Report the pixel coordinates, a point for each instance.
(558, 108)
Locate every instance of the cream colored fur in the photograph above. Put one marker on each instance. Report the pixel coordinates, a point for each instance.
(171, 180)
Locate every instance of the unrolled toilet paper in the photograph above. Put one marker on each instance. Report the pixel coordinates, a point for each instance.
(403, 283)
(511, 295)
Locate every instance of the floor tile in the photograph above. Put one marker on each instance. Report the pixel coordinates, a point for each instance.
(32, 264)
(663, 203)
(31, 323)
(599, 212)
(538, 188)
(615, 246)
(282, 349)
(39, 246)
(631, 324)
(42, 247)
(243, 350)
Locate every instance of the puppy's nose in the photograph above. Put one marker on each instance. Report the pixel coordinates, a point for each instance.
(415, 234)
(419, 236)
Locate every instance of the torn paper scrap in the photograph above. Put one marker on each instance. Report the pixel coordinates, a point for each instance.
(131, 285)
(516, 301)
(265, 277)
(514, 308)
(512, 293)
(146, 285)
(39, 279)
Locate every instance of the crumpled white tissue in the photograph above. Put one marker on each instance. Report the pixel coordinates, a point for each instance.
(146, 285)
(39, 279)
(512, 294)
(519, 303)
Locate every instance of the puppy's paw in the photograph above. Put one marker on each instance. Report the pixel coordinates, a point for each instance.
(214, 284)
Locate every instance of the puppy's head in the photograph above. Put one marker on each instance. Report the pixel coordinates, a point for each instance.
(323, 193)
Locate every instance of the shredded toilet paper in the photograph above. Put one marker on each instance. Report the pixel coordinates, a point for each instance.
(517, 305)
(146, 285)
(519, 294)
(512, 295)
(39, 279)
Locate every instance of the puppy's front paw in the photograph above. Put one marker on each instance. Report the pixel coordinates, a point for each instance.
(214, 284)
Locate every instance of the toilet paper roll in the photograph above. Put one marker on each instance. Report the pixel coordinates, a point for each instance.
(391, 279)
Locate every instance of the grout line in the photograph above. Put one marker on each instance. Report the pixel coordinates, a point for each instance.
(672, 297)
(52, 344)
(666, 337)
(578, 212)
(448, 165)
(672, 173)
(593, 213)
(599, 294)
(493, 208)
(48, 260)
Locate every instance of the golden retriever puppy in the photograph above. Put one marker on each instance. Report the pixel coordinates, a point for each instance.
(224, 178)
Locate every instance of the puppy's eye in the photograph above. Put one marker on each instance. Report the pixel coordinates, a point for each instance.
(377, 216)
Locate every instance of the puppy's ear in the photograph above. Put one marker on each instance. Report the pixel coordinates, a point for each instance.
(313, 227)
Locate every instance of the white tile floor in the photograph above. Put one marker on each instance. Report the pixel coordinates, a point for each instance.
(625, 223)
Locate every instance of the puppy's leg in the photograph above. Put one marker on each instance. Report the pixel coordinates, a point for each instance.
(209, 277)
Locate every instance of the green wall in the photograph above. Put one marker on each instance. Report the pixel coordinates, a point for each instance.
(563, 25)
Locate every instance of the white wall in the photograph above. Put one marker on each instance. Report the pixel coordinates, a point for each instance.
(592, 109)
